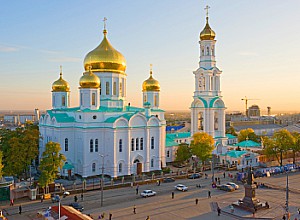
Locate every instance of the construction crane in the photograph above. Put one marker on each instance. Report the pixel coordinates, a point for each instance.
(246, 104)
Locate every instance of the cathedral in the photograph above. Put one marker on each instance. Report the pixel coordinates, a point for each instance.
(208, 108)
(105, 131)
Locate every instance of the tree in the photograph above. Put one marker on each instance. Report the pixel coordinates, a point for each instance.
(1, 165)
(183, 152)
(20, 148)
(279, 144)
(247, 134)
(51, 160)
(202, 145)
(231, 130)
(296, 146)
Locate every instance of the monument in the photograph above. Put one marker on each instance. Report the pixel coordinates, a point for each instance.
(249, 202)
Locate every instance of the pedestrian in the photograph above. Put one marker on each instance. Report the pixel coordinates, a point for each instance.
(219, 211)
(219, 181)
(148, 218)
(110, 216)
(81, 196)
(209, 194)
(42, 198)
(224, 174)
(216, 179)
(75, 198)
(196, 201)
(11, 202)
(137, 189)
(20, 209)
(206, 176)
(134, 209)
(172, 195)
(283, 217)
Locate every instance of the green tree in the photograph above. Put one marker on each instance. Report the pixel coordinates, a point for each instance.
(1, 165)
(20, 148)
(247, 134)
(296, 146)
(202, 145)
(279, 144)
(50, 162)
(183, 152)
(231, 130)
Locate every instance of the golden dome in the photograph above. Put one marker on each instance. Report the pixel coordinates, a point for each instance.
(60, 85)
(207, 33)
(105, 58)
(151, 84)
(89, 80)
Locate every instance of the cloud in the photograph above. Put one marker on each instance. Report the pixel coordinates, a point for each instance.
(64, 59)
(247, 53)
(8, 49)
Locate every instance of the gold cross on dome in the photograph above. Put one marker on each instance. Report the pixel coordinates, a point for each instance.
(206, 8)
(104, 21)
(60, 70)
(151, 69)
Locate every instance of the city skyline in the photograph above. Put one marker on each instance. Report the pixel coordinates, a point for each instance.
(253, 49)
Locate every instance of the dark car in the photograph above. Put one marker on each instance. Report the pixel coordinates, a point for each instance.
(194, 176)
(168, 180)
(77, 206)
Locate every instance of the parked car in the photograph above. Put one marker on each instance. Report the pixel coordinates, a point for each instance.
(225, 187)
(147, 193)
(235, 186)
(168, 180)
(55, 198)
(181, 187)
(77, 206)
(194, 176)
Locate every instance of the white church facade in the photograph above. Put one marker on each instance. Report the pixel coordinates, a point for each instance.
(105, 130)
(208, 108)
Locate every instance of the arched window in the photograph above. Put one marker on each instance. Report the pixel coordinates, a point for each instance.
(141, 144)
(121, 90)
(216, 121)
(120, 167)
(100, 88)
(152, 163)
(93, 167)
(132, 144)
(202, 51)
(200, 121)
(81, 99)
(213, 51)
(137, 144)
(66, 144)
(107, 88)
(93, 98)
(91, 145)
(145, 98)
(115, 88)
(96, 145)
(120, 145)
(155, 101)
(168, 153)
(207, 51)
(152, 142)
(63, 100)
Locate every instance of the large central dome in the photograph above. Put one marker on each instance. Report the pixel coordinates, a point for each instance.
(105, 58)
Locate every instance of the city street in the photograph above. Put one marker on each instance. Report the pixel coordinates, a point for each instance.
(120, 202)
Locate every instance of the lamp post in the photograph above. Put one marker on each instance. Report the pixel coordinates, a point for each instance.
(287, 195)
(102, 177)
(212, 169)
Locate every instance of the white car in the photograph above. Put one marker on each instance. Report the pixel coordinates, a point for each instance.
(235, 186)
(147, 193)
(181, 187)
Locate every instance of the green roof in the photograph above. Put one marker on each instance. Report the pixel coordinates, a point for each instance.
(68, 166)
(248, 143)
(61, 117)
(113, 119)
(235, 153)
(170, 138)
(230, 136)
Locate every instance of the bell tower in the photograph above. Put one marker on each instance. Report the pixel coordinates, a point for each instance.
(208, 108)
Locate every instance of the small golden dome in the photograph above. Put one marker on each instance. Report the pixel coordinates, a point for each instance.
(105, 58)
(207, 33)
(60, 85)
(151, 84)
(89, 80)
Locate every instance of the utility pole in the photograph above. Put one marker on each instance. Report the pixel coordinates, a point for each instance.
(287, 195)
(102, 177)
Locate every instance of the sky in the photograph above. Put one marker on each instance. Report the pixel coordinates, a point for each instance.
(257, 49)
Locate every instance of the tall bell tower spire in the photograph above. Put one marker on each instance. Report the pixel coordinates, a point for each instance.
(208, 108)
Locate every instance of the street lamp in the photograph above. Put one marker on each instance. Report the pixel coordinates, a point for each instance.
(102, 177)
(287, 194)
